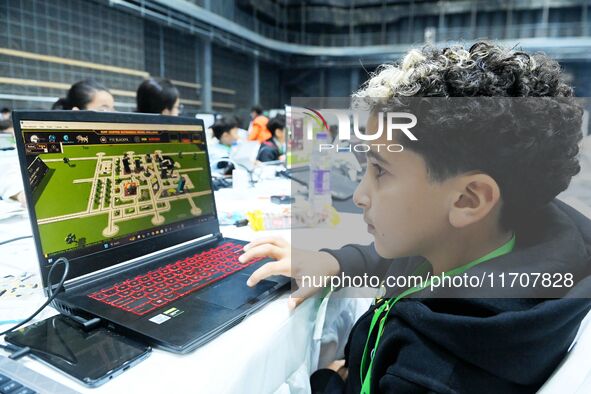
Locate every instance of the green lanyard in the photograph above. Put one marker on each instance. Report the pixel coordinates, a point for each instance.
(385, 308)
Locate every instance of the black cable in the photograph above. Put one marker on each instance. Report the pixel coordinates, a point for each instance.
(52, 296)
(16, 239)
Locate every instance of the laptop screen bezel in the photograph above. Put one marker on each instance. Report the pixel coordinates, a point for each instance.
(83, 265)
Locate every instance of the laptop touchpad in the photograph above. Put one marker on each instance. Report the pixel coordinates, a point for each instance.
(233, 292)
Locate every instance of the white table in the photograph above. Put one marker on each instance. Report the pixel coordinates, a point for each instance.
(272, 351)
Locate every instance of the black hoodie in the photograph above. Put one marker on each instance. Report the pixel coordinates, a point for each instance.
(483, 345)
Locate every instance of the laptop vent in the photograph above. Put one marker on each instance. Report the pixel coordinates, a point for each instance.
(62, 308)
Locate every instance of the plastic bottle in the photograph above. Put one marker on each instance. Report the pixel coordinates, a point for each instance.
(319, 191)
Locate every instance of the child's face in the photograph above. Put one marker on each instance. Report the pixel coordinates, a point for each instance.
(229, 137)
(406, 212)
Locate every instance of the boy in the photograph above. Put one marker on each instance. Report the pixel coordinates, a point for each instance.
(274, 148)
(471, 199)
(226, 133)
(257, 130)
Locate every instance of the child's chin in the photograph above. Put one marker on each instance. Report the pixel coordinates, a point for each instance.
(383, 252)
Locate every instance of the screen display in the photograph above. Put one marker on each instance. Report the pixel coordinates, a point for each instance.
(98, 186)
(87, 356)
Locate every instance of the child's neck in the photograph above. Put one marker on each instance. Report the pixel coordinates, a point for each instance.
(465, 247)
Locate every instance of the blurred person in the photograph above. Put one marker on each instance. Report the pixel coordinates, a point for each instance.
(226, 137)
(87, 94)
(6, 126)
(242, 133)
(257, 130)
(11, 186)
(158, 97)
(274, 148)
(5, 113)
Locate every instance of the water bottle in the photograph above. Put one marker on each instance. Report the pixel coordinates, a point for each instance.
(319, 192)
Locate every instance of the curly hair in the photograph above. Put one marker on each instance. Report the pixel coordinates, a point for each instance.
(521, 124)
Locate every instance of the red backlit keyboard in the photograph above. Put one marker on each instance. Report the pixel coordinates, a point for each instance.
(159, 287)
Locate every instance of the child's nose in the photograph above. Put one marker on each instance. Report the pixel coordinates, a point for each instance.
(360, 198)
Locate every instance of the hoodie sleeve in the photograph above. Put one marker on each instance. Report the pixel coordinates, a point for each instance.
(360, 259)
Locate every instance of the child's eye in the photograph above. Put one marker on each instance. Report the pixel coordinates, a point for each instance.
(379, 171)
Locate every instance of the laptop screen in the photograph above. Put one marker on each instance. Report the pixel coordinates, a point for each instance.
(98, 186)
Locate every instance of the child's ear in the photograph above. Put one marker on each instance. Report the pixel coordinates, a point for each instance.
(476, 196)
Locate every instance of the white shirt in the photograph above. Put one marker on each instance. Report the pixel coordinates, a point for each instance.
(217, 152)
(10, 181)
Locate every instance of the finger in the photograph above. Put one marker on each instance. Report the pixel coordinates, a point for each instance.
(269, 269)
(300, 295)
(271, 239)
(265, 250)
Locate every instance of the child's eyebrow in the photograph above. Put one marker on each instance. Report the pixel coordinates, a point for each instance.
(376, 156)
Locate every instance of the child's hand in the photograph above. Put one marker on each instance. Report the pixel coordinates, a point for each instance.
(305, 263)
(20, 197)
(339, 367)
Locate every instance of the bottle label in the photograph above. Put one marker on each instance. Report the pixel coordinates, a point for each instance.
(321, 182)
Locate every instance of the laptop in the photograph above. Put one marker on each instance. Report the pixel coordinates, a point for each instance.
(18, 379)
(127, 199)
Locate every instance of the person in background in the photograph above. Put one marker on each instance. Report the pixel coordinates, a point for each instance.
(158, 97)
(87, 94)
(226, 134)
(242, 133)
(257, 130)
(11, 186)
(6, 126)
(274, 148)
(5, 113)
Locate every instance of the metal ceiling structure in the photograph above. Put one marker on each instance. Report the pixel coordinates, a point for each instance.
(190, 17)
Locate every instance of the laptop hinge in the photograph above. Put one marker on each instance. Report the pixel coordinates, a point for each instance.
(139, 261)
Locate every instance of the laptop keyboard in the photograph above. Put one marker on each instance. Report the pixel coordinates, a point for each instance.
(160, 287)
(8, 385)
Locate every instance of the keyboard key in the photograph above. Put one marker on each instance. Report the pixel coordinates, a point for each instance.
(144, 309)
(9, 387)
(3, 379)
(138, 302)
(123, 301)
(196, 285)
(24, 390)
(154, 296)
(112, 298)
(170, 297)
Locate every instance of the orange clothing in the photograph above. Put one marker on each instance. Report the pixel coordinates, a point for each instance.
(258, 129)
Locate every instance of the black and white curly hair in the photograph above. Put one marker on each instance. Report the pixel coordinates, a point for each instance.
(530, 149)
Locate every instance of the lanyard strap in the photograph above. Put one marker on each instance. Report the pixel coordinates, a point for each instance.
(386, 306)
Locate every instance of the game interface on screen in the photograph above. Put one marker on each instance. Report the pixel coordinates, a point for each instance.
(103, 188)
